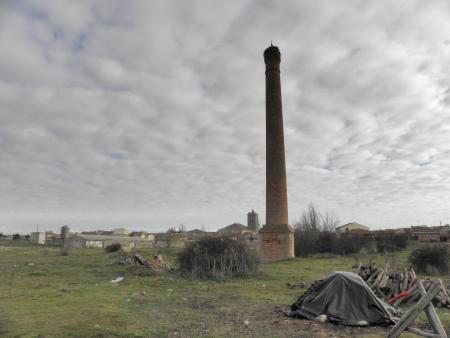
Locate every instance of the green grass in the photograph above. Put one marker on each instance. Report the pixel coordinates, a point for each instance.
(71, 296)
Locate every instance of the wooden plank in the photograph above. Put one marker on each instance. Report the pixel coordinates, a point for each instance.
(405, 281)
(444, 290)
(358, 271)
(373, 275)
(378, 279)
(432, 316)
(414, 311)
(423, 333)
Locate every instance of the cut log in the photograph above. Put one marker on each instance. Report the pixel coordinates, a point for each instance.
(358, 271)
(444, 291)
(384, 281)
(413, 312)
(405, 280)
(432, 316)
(423, 333)
(374, 275)
(378, 279)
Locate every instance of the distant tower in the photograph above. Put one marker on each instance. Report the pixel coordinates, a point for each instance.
(277, 236)
(65, 230)
(253, 221)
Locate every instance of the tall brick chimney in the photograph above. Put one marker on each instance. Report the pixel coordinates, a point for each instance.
(277, 241)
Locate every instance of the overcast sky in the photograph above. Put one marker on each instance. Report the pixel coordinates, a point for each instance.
(150, 114)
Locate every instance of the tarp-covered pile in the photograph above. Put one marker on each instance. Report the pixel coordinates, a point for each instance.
(344, 299)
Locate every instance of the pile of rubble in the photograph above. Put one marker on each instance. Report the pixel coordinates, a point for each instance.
(155, 264)
(397, 287)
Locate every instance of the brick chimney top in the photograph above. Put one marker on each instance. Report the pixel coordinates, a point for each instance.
(272, 53)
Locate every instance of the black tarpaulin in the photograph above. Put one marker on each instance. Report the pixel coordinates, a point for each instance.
(345, 299)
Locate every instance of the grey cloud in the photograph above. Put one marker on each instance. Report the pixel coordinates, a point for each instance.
(151, 113)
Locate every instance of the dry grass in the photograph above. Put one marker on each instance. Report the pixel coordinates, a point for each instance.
(71, 296)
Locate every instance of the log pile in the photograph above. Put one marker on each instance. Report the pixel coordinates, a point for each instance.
(399, 287)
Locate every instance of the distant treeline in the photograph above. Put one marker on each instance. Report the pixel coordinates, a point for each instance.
(316, 233)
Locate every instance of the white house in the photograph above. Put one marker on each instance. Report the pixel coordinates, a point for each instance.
(352, 226)
(102, 241)
(37, 237)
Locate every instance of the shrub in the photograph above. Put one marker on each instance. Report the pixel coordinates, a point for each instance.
(392, 242)
(305, 242)
(16, 237)
(114, 247)
(218, 258)
(348, 244)
(431, 259)
(313, 242)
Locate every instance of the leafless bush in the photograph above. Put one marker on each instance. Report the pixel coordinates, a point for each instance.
(312, 220)
(218, 258)
(315, 233)
(114, 247)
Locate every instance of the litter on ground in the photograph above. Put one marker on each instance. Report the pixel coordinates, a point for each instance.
(117, 280)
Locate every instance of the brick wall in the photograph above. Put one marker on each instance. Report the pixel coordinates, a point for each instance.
(276, 246)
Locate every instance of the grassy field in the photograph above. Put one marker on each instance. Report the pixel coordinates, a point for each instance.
(44, 294)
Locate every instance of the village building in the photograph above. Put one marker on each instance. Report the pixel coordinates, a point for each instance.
(171, 239)
(52, 238)
(351, 227)
(38, 237)
(430, 234)
(142, 234)
(137, 234)
(102, 241)
(234, 229)
(196, 234)
(94, 232)
(120, 232)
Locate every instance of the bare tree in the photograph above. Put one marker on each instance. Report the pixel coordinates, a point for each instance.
(313, 220)
(329, 221)
(310, 220)
(171, 230)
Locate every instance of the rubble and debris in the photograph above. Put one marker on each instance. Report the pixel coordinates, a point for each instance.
(137, 259)
(424, 304)
(343, 298)
(157, 263)
(399, 287)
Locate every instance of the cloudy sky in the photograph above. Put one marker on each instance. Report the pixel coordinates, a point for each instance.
(150, 114)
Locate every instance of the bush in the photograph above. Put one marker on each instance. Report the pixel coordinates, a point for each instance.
(392, 242)
(218, 258)
(305, 242)
(431, 259)
(114, 247)
(313, 242)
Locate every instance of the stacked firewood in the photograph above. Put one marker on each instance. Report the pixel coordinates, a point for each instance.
(399, 287)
